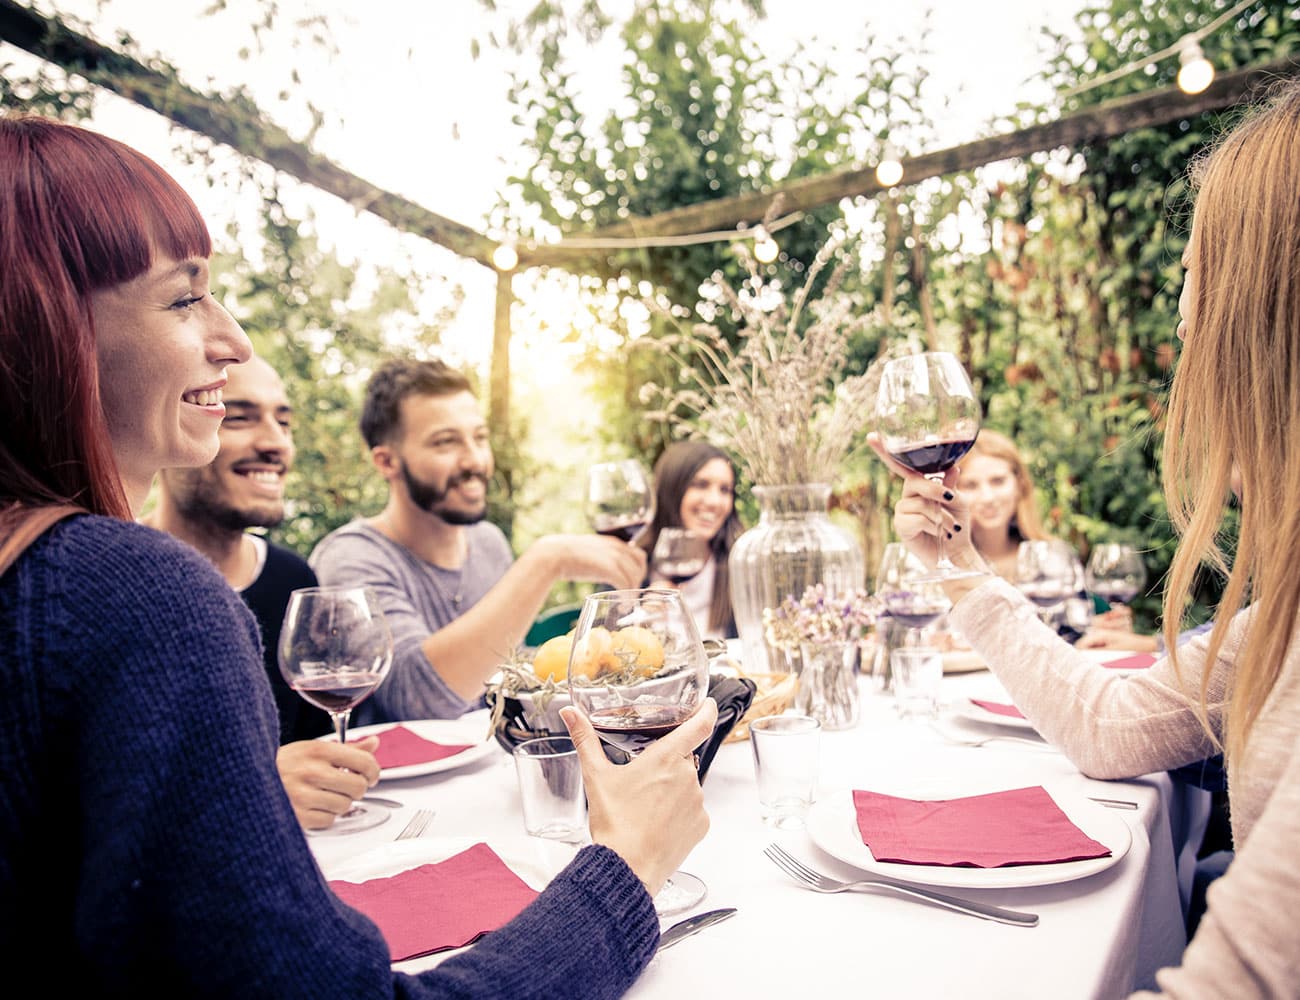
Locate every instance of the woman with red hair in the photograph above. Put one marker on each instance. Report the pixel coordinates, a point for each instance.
(146, 841)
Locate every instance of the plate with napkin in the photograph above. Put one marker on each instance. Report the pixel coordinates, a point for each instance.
(998, 840)
(997, 713)
(433, 896)
(427, 746)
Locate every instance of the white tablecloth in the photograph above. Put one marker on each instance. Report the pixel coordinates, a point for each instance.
(1098, 937)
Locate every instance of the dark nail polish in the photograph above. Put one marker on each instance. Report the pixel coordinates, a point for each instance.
(948, 533)
(956, 527)
(947, 494)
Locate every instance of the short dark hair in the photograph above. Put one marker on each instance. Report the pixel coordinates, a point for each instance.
(392, 382)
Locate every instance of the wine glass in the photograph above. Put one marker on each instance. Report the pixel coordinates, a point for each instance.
(679, 555)
(637, 671)
(620, 498)
(927, 416)
(1046, 573)
(335, 649)
(1115, 572)
(907, 592)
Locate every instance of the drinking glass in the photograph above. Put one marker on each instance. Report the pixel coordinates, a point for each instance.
(1046, 573)
(928, 417)
(620, 498)
(910, 595)
(1115, 572)
(335, 649)
(637, 671)
(679, 555)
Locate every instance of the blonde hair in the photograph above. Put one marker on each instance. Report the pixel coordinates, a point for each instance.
(1235, 401)
(1026, 525)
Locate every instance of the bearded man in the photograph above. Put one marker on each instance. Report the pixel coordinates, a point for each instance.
(456, 599)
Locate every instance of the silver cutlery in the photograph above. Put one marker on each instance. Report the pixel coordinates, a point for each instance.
(692, 925)
(416, 825)
(962, 739)
(818, 882)
(1114, 803)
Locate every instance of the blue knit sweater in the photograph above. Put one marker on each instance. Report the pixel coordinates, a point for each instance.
(146, 844)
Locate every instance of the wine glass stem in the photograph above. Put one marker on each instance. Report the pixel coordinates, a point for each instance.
(941, 550)
(341, 724)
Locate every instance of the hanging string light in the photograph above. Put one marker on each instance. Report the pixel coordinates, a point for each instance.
(889, 171)
(505, 257)
(765, 248)
(1195, 72)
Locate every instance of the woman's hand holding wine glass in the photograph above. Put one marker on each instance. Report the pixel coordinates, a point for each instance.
(637, 671)
(927, 417)
(1116, 573)
(335, 649)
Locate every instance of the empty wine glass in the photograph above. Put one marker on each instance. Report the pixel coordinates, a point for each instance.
(928, 417)
(620, 498)
(1046, 573)
(679, 555)
(908, 593)
(638, 670)
(1115, 572)
(335, 649)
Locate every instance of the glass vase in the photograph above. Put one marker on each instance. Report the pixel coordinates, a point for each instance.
(793, 546)
(828, 684)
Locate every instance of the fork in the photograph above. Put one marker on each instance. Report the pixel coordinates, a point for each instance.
(417, 824)
(979, 741)
(818, 882)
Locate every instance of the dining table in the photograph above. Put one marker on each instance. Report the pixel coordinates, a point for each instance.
(1098, 935)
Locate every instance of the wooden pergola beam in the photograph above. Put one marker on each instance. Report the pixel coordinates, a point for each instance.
(1096, 124)
(236, 124)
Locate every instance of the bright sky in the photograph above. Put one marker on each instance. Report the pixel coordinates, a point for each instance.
(409, 110)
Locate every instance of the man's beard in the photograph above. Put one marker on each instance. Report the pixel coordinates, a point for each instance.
(200, 500)
(431, 499)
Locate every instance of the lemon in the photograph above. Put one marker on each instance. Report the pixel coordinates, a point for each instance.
(593, 654)
(552, 659)
(637, 648)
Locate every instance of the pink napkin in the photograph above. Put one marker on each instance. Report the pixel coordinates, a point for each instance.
(998, 708)
(1023, 826)
(1137, 661)
(440, 906)
(399, 746)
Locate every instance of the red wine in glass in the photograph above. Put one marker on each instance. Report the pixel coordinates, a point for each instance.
(624, 530)
(338, 691)
(1116, 592)
(933, 458)
(632, 728)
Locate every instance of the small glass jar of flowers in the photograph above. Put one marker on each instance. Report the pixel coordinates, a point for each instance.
(825, 633)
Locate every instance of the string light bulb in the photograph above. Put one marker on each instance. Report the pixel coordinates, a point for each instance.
(505, 257)
(889, 171)
(765, 248)
(1195, 72)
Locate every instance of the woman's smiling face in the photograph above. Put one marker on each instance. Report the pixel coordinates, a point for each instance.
(989, 485)
(163, 344)
(709, 498)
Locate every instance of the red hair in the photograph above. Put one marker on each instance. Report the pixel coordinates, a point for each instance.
(79, 212)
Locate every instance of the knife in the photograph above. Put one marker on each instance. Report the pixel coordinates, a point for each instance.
(692, 925)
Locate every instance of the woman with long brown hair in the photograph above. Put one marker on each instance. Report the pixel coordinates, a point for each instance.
(695, 488)
(1235, 407)
(145, 837)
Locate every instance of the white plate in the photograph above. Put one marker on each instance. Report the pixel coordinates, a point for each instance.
(534, 865)
(471, 728)
(833, 826)
(968, 710)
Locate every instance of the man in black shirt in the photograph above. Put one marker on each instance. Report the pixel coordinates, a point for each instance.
(210, 508)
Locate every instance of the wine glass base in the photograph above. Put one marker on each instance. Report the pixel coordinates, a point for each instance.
(355, 820)
(940, 573)
(681, 892)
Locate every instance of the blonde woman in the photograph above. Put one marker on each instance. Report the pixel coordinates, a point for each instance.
(1235, 404)
(1003, 507)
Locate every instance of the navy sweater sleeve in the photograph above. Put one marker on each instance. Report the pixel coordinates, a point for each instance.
(145, 841)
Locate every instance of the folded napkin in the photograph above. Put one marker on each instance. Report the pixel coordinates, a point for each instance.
(400, 746)
(1023, 826)
(733, 695)
(1137, 661)
(439, 906)
(998, 708)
